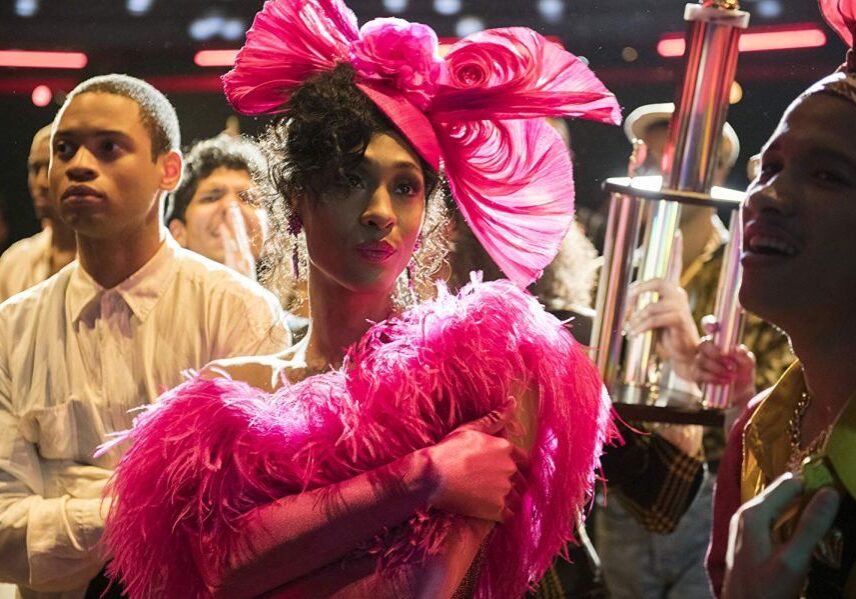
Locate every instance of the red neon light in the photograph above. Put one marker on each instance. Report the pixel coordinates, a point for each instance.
(42, 95)
(670, 47)
(215, 58)
(782, 40)
(42, 60)
(793, 37)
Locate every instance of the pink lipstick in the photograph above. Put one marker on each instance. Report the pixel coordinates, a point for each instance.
(376, 252)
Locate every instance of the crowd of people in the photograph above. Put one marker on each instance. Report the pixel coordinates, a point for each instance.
(347, 358)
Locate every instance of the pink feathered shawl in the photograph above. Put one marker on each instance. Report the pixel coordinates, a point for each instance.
(210, 451)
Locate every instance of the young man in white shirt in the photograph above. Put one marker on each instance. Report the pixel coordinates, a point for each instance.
(107, 333)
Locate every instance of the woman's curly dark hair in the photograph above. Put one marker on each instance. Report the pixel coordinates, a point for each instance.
(327, 126)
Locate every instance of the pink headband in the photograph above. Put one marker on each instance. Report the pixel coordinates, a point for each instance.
(477, 114)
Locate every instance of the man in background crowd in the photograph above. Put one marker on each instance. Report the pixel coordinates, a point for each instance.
(213, 212)
(36, 258)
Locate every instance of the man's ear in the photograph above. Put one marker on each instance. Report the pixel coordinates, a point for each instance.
(179, 231)
(170, 170)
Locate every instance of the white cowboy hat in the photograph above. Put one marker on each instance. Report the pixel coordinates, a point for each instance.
(643, 117)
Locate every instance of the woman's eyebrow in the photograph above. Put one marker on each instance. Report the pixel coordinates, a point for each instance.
(398, 164)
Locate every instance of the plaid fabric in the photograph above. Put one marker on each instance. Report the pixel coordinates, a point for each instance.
(550, 586)
(654, 480)
(576, 578)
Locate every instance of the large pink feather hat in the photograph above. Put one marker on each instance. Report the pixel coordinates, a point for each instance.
(477, 113)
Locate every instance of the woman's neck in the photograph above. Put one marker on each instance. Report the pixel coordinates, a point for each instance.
(339, 318)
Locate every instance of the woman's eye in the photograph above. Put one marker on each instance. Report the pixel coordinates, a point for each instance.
(406, 188)
(354, 181)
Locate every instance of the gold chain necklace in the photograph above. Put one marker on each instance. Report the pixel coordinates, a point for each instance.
(798, 453)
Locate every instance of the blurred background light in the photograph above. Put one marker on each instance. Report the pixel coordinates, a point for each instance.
(42, 95)
(206, 27)
(629, 54)
(139, 7)
(26, 8)
(769, 9)
(551, 11)
(468, 25)
(215, 58)
(792, 37)
(735, 94)
(395, 6)
(42, 60)
(233, 29)
(447, 7)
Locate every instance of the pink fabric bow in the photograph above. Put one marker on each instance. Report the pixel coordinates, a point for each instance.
(841, 16)
(402, 54)
(479, 111)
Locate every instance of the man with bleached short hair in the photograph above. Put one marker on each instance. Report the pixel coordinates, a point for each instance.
(107, 333)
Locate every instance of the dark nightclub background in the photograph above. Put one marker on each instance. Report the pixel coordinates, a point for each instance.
(158, 40)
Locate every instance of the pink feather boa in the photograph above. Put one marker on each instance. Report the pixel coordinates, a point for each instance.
(212, 450)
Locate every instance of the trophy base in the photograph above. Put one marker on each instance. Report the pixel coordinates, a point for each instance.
(653, 404)
(654, 395)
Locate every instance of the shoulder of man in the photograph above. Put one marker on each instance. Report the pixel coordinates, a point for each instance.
(22, 314)
(21, 248)
(27, 302)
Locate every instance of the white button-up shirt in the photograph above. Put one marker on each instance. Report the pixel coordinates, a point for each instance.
(26, 263)
(74, 359)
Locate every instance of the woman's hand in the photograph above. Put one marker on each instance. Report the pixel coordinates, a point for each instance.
(755, 565)
(471, 472)
(474, 472)
(671, 316)
(712, 366)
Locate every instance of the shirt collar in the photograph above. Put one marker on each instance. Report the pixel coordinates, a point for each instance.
(141, 291)
(840, 446)
(766, 435)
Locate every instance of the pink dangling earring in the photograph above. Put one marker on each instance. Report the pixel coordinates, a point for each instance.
(409, 268)
(409, 271)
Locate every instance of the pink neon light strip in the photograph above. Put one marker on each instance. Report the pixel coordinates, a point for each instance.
(42, 60)
(793, 38)
(215, 58)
